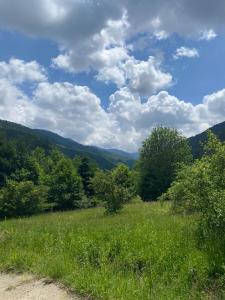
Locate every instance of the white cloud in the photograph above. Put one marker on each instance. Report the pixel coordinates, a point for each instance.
(146, 77)
(14, 104)
(18, 71)
(186, 52)
(71, 110)
(88, 31)
(105, 49)
(93, 35)
(74, 111)
(142, 77)
(208, 35)
(112, 74)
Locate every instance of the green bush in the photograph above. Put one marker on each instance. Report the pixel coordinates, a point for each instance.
(21, 199)
(200, 188)
(113, 188)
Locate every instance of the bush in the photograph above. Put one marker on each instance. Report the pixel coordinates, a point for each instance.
(21, 199)
(200, 188)
(123, 177)
(113, 190)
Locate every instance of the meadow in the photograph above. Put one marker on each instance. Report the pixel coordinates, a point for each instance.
(144, 252)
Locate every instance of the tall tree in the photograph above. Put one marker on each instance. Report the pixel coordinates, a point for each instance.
(8, 158)
(86, 171)
(161, 153)
(65, 186)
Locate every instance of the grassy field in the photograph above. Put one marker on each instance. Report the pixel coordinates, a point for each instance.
(142, 253)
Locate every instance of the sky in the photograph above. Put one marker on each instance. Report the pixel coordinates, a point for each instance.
(105, 72)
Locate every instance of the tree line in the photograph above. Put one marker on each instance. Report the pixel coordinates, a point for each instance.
(39, 180)
(33, 181)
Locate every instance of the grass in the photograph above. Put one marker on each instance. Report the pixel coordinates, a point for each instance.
(142, 253)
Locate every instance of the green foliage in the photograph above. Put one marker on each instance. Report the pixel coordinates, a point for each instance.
(21, 199)
(113, 188)
(160, 156)
(86, 170)
(7, 159)
(201, 188)
(197, 142)
(65, 186)
(30, 171)
(33, 138)
(142, 253)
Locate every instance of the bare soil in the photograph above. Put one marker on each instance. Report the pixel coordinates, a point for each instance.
(27, 287)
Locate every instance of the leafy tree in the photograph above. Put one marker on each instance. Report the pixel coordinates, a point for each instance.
(65, 186)
(113, 188)
(201, 188)
(7, 159)
(161, 154)
(122, 176)
(21, 199)
(86, 171)
(30, 171)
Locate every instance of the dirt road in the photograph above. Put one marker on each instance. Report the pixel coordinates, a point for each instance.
(26, 287)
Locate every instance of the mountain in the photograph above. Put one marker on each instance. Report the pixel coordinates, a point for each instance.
(132, 155)
(46, 139)
(197, 141)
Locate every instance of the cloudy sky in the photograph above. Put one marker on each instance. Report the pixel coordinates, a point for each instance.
(105, 72)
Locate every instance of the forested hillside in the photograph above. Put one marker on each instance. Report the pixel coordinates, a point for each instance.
(196, 142)
(33, 138)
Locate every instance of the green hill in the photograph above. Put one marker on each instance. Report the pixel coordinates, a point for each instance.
(42, 138)
(197, 141)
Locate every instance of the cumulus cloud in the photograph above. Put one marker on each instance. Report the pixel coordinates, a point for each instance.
(14, 104)
(186, 52)
(142, 77)
(93, 34)
(146, 77)
(18, 71)
(76, 112)
(71, 110)
(104, 49)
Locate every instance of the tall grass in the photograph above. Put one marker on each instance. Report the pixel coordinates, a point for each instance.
(142, 253)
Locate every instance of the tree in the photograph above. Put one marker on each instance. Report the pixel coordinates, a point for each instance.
(86, 171)
(30, 171)
(22, 199)
(201, 187)
(161, 154)
(8, 159)
(113, 188)
(122, 176)
(65, 186)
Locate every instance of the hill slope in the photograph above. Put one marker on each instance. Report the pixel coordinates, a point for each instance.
(46, 139)
(196, 141)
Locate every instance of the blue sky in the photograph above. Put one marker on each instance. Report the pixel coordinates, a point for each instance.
(207, 71)
(105, 73)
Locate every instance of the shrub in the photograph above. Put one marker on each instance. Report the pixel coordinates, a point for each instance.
(200, 188)
(111, 192)
(22, 199)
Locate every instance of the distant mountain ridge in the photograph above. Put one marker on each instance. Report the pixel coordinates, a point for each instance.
(105, 159)
(132, 155)
(197, 140)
